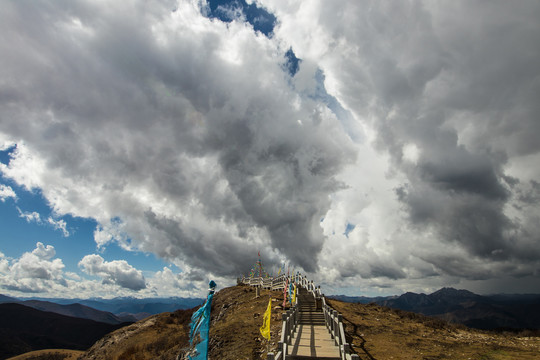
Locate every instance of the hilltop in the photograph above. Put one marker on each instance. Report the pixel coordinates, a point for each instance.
(376, 332)
(234, 331)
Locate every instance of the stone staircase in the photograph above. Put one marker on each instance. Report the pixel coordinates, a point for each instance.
(311, 339)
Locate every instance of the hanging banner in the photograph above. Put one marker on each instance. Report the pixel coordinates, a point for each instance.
(199, 332)
(290, 293)
(265, 328)
(285, 292)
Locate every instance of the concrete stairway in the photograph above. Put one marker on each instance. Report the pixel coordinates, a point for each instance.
(311, 340)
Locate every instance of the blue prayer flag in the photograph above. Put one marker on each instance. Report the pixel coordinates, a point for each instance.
(200, 327)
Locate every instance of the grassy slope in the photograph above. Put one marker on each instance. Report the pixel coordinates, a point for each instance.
(234, 331)
(383, 333)
(49, 354)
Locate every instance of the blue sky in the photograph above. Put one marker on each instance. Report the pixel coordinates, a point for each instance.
(381, 147)
(20, 235)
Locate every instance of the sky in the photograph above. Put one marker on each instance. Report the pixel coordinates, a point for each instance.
(378, 147)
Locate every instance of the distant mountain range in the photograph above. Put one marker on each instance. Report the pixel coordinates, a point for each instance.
(112, 311)
(462, 306)
(23, 329)
(33, 324)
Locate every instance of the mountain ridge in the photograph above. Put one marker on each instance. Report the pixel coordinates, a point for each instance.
(116, 310)
(500, 311)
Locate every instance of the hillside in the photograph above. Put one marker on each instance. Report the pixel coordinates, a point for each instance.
(50, 354)
(380, 333)
(234, 332)
(376, 333)
(23, 329)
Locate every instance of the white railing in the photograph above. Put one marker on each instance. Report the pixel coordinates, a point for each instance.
(333, 319)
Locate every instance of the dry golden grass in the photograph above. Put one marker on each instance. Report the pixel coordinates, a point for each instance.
(49, 354)
(234, 332)
(383, 333)
(157, 337)
(235, 335)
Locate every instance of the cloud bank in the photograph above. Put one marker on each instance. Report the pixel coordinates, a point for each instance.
(401, 154)
(448, 92)
(41, 272)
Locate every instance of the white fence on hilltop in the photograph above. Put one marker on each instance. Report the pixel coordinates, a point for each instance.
(333, 319)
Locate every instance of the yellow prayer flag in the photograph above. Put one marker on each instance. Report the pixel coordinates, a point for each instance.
(265, 328)
(294, 295)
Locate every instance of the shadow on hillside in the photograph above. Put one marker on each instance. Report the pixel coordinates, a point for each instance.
(361, 351)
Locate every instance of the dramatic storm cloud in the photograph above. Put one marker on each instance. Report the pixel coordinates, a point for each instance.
(450, 93)
(399, 152)
(179, 134)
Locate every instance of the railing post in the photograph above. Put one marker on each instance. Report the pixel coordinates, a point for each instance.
(330, 323)
(334, 324)
(285, 320)
(339, 320)
(326, 322)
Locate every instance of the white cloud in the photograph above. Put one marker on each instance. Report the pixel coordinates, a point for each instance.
(35, 271)
(181, 134)
(58, 225)
(4, 264)
(117, 272)
(6, 192)
(39, 272)
(30, 216)
(36, 217)
(44, 252)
